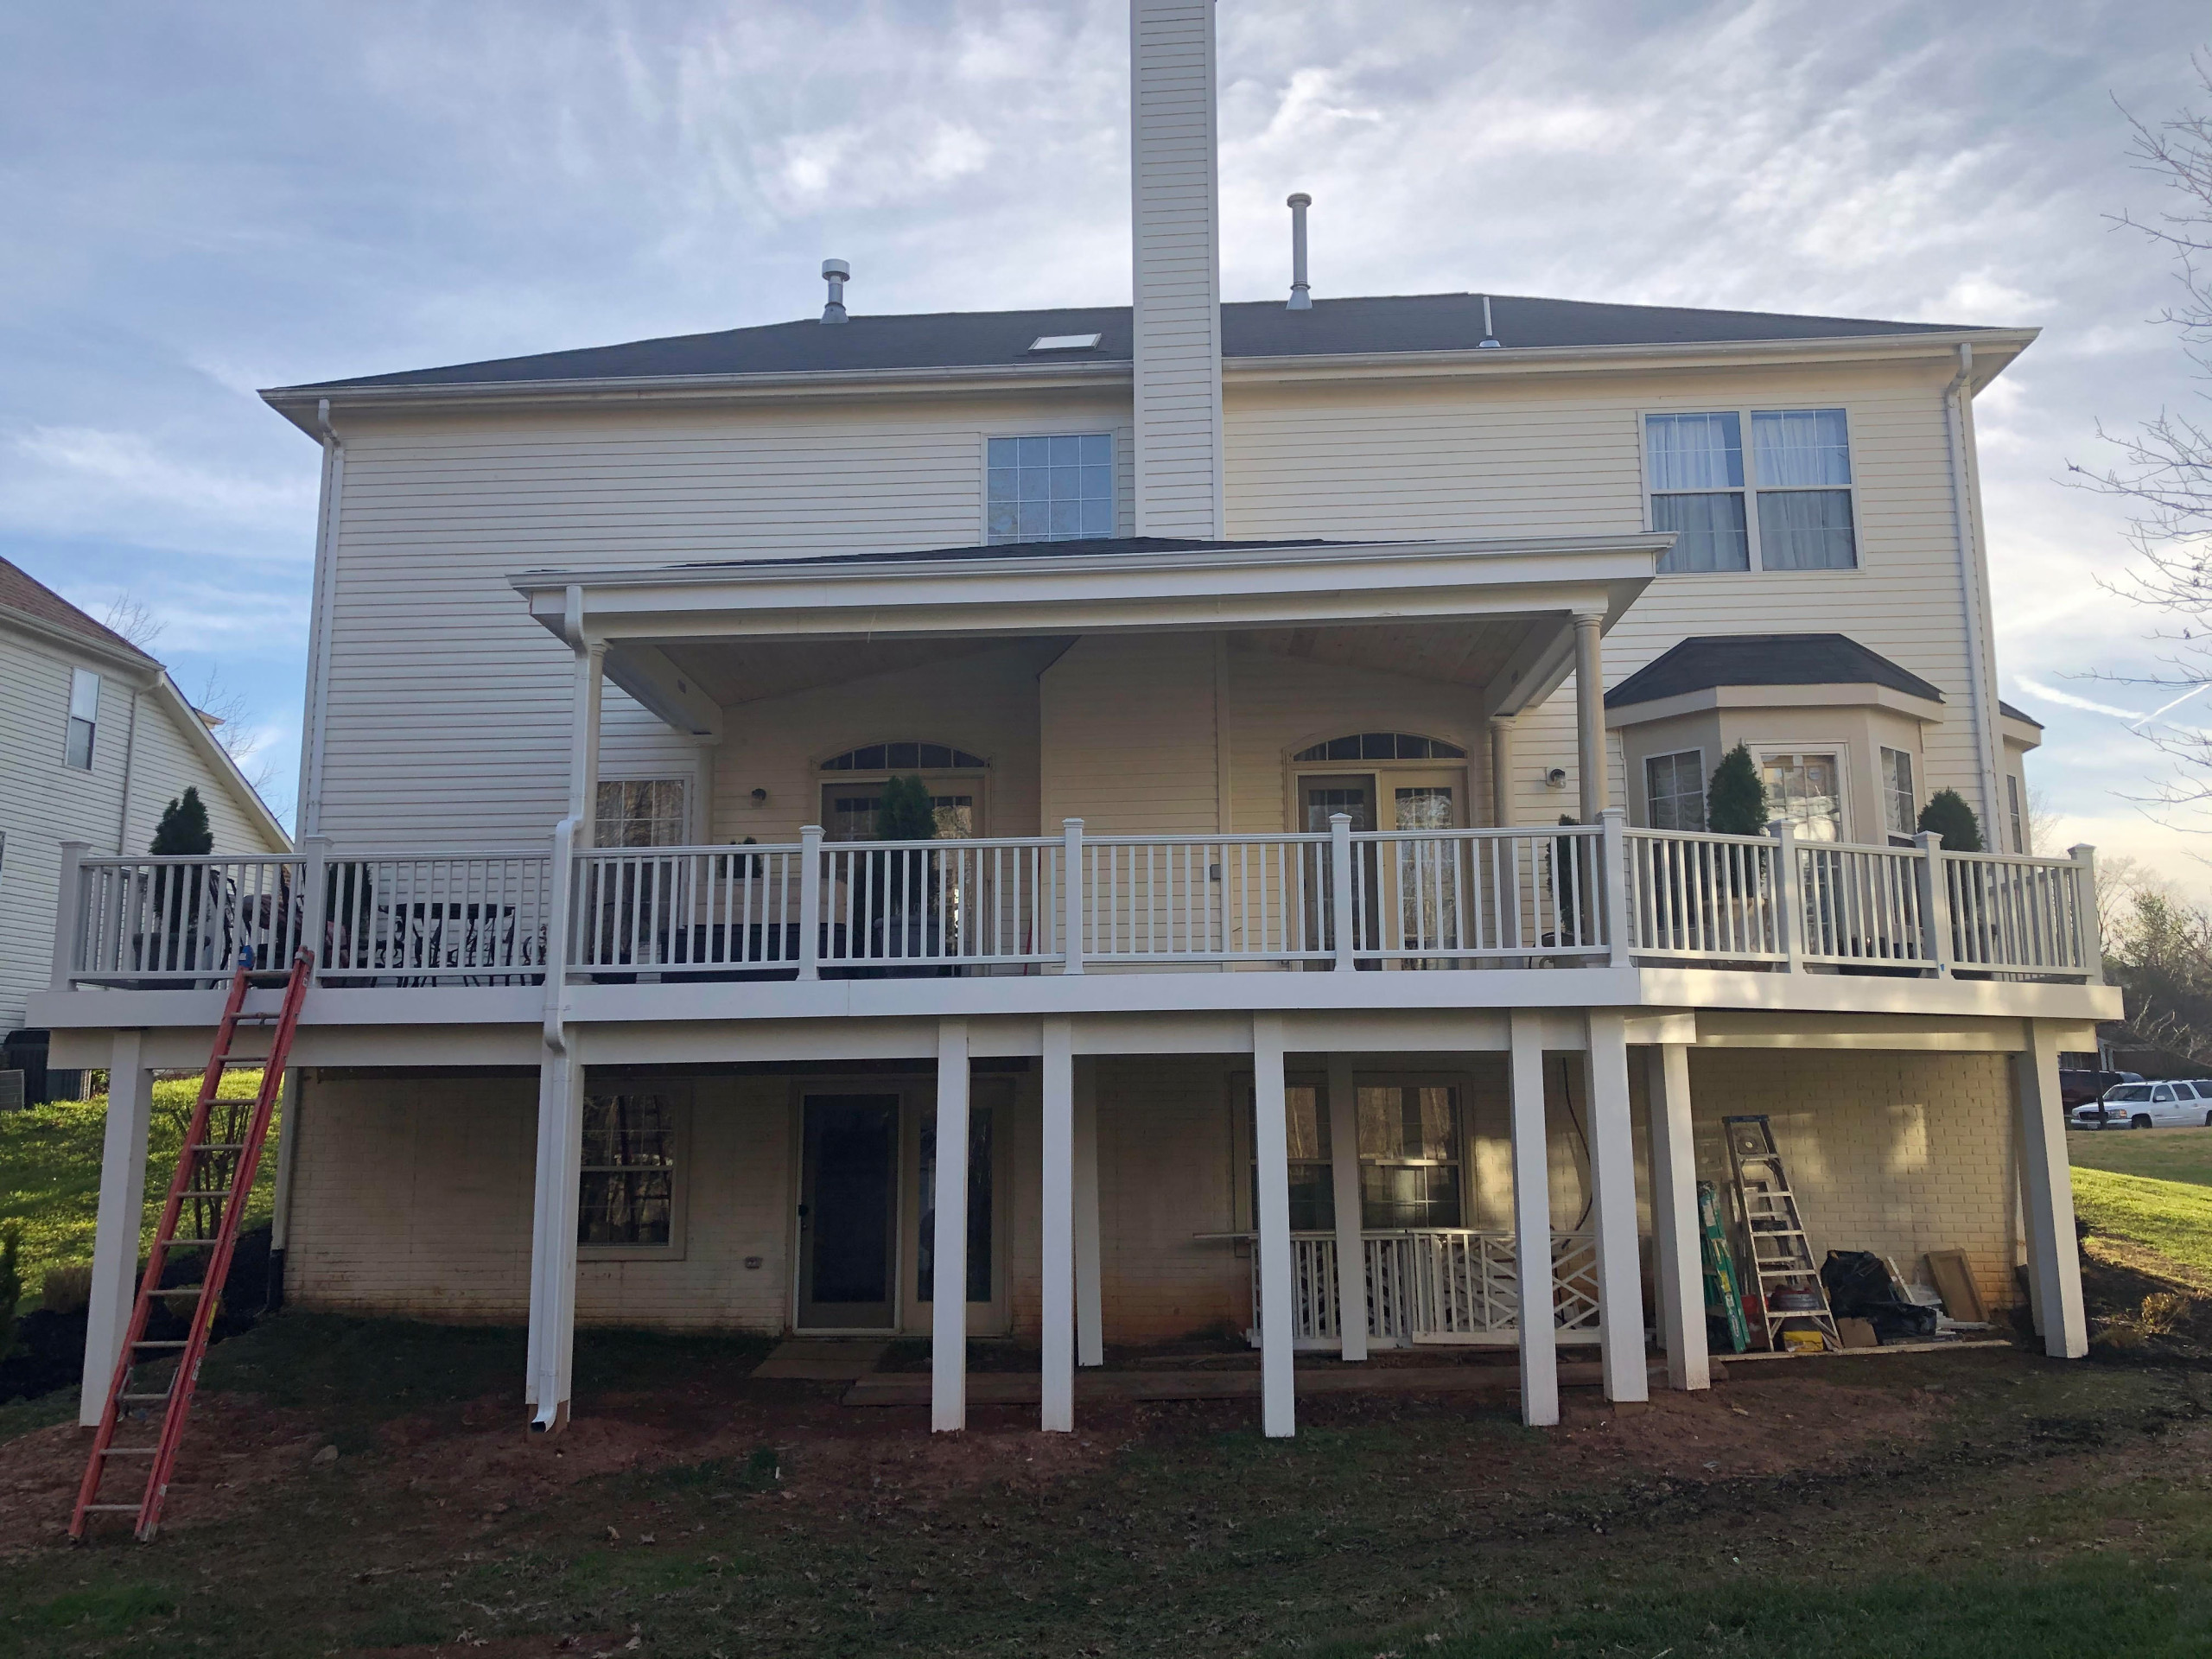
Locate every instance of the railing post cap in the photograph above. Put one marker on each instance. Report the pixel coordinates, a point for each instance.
(1335, 818)
(2082, 850)
(1070, 824)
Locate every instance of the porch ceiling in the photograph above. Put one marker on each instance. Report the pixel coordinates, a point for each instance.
(733, 673)
(1462, 652)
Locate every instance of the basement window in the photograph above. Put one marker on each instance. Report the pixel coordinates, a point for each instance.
(1049, 489)
(627, 1196)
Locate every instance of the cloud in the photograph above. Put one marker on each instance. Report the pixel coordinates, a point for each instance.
(78, 479)
(2073, 700)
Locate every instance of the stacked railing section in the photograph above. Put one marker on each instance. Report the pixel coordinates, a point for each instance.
(1437, 1284)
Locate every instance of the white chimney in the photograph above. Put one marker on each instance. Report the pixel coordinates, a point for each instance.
(1177, 281)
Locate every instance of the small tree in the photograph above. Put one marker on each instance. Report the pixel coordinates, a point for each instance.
(905, 812)
(183, 828)
(1948, 814)
(902, 882)
(1735, 801)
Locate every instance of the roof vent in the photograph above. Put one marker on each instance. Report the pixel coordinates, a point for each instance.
(1300, 298)
(1489, 341)
(1065, 342)
(837, 273)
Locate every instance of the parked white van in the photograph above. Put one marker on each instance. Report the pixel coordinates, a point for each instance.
(2149, 1106)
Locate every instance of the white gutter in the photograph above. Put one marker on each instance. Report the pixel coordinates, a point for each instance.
(1974, 587)
(308, 814)
(129, 756)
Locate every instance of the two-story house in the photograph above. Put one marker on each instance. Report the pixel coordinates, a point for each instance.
(1316, 934)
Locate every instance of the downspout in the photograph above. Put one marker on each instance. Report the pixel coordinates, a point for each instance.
(130, 754)
(308, 819)
(1974, 587)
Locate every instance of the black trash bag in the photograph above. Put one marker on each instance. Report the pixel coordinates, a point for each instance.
(1858, 1289)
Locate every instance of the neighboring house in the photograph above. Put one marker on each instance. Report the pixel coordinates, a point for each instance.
(1309, 945)
(95, 740)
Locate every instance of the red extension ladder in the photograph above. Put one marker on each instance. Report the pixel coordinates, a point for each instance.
(215, 1177)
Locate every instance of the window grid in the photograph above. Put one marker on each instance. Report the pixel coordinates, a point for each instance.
(627, 1192)
(1900, 804)
(1674, 789)
(1807, 790)
(1049, 489)
(1785, 505)
(641, 812)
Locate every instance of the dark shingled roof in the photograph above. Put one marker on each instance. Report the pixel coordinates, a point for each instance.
(1420, 322)
(1023, 551)
(1709, 660)
(2012, 713)
(21, 593)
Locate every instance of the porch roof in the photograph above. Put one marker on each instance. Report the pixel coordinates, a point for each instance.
(1519, 598)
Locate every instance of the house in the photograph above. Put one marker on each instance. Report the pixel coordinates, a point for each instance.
(95, 740)
(1318, 936)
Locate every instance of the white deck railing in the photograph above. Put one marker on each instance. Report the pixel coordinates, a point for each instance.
(1574, 895)
(1441, 1285)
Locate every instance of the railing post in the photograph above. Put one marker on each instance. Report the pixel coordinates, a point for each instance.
(1935, 900)
(1340, 887)
(68, 913)
(1071, 895)
(1612, 848)
(810, 901)
(1788, 896)
(2088, 925)
(560, 900)
(314, 901)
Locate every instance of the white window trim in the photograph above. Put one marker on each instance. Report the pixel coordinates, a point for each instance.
(70, 717)
(679, 1093)
(1882, 788)
(1124, 439)
(1749, 490)
(1668, 755)
(1837, 746)
(689, 773)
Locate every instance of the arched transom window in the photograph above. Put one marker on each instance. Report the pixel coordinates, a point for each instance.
(1381, 746)
(851, 793)
(906, 755)
(1390, 780)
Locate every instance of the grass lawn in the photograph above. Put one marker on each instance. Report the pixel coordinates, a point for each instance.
(50, 1172)
(2151, 1187)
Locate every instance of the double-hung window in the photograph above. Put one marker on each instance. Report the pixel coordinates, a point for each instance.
(83, 718)
(1674, 789)
(627, 1193)
(1899, 808)
(642, 812)
(1049, 489)
(1785, 504)
(2018, 817)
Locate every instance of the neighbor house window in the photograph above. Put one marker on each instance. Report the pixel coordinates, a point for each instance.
(1805, 789)
(2013, 808)
(642, 812)
(1674, 789)
(1409, 1156)
(1312, 1187)
(628, 1193)
(1798, 469)
(1900, 812)
(1055, 489)
(83, 718)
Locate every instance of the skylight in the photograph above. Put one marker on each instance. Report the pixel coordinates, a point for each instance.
(1064, 342)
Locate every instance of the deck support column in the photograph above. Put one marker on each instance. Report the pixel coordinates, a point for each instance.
(584, 716)
(1271, 1163)
(1590, 762)
(1090, 1313)
(121, 1210)
(553, 1231)
(1532, 1225)
(1501, 771)
(1679, 1267)
(1612, 1194)
(1351, 1243)
(949, 1252)
(2047, 1187)
(1057, 1314)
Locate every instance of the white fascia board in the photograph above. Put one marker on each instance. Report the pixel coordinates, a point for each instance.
(218, 759)
(1841, 695)
(1212, 587)
(2019, 734)
(646, 672)
(126, 660)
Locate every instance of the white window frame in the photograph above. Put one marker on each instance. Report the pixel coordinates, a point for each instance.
(972, 780)
(1650, 818)
(687, 776)
(1751, 487)
(80, 681)
(1124, 439)
(1898, 837)
(2016, 810)
(679, 1091)
(1840, 750)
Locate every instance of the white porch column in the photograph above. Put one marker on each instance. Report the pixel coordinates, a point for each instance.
(553, 1232)
(1612, 1207)
(2047, 1186)
(1058, 1271)
(1501, 771)
(1532, 1225)
(1590, 764)
(1351, 1245)
(1679, 1265)
(583, 741)
(949, 1252)
(1090, 1319)
(1271, 1162)
(122, 1211)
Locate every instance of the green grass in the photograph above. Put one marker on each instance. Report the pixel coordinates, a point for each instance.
(50, 1172)
(2172, 1217)
(2164, 1155)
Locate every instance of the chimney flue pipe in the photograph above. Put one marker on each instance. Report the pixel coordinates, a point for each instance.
(837, 273)
(1300, 298)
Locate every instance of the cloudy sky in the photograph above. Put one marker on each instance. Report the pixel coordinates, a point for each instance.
(204, 201)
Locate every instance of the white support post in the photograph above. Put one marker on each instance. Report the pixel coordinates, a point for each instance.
(288, 1162)
(1612, 1207)
(1532, 1225)
(1788, 896)
(949, 1252)
(2047, 1185)
(1340, 913)
(584, 736)
(1590, 762)
(1071, 895)
(1351, 1243)
(1679, 1267)
(553, 1233)
(810, 901)
(315, 906)
(1500, 772)
(1057, 1273)
(122, 1215)
(68, 909)
(1613, 853)
(2089, 929)
(1089, 1321)
(1271, 1164)
(1935, 900)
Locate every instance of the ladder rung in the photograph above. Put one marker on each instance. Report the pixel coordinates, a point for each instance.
(189, 1243)
(143, 1343)
(127, 1399)
(129, 1451)
(124, 1509)
(220, 1146)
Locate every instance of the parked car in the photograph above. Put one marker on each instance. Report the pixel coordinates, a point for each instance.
(2084, 1088)
(2149, 1106)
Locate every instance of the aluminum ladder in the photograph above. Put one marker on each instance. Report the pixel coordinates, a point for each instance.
(1781, 1256)
(214, 1177)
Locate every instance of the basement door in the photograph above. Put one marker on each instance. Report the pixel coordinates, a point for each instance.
(847, 1213)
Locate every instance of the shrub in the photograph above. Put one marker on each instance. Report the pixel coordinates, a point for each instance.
(1948, 814)
(904, 813)
(11, 1284)
(183, 828)
(1735, 801)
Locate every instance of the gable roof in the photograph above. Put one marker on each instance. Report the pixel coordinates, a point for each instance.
(26, 596)
(1704, 661)
(1257, 329)
(2013, 712)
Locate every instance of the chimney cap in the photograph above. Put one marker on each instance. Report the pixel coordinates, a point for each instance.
(838, 268)
(1299, 199)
